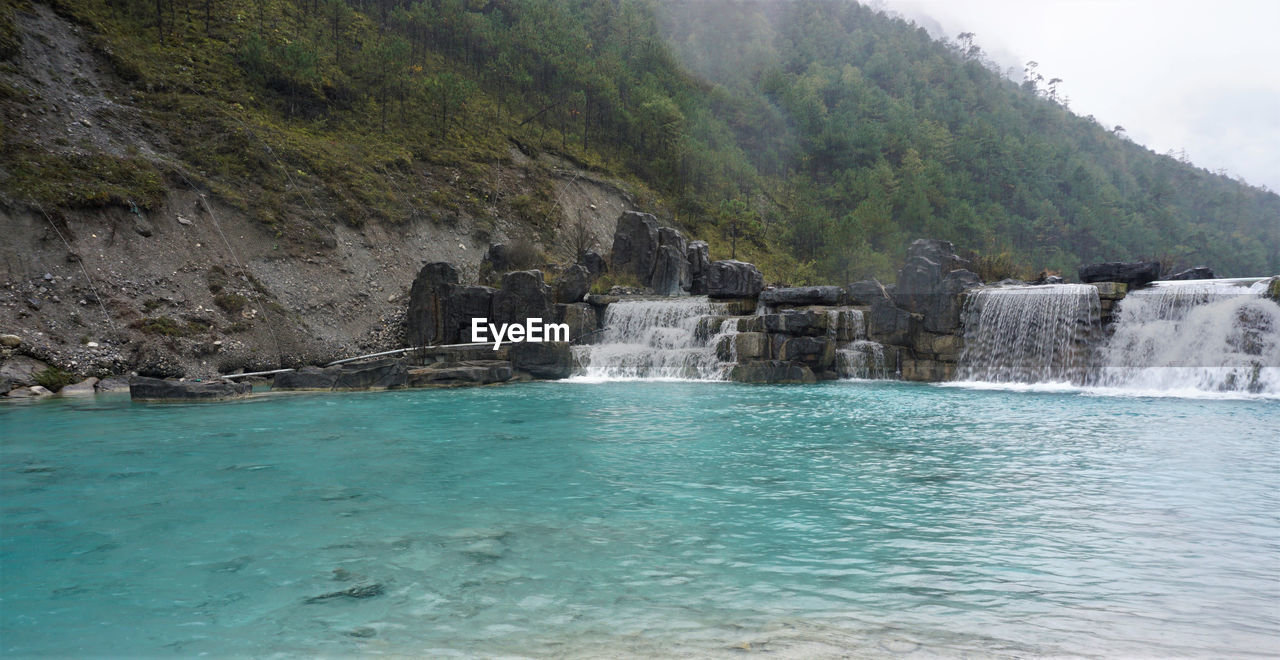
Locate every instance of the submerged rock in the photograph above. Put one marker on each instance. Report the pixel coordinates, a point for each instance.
(476, 372)
(142, 388)
(358, 592)
(772, 371)
(82, 388)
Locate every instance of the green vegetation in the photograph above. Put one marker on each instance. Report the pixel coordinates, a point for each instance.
(168, 327)
(813, 137)
(54, 379)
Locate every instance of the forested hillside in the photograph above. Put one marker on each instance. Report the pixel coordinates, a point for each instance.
(814, 137)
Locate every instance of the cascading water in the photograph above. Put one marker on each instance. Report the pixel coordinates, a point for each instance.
(659, 339)
(1029, 334)
(1205, 335)
(865, 360)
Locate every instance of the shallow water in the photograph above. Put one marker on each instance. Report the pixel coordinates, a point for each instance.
(643, 519)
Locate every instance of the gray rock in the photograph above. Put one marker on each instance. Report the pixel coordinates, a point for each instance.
(6, 386)
(20, 393)
(142, 226)
(38, 390)
(306, 378)
(387, 373)
(635, 245)
(22, 370)
(462, 304)
(82, 388)
(479, 372)
(425, 319)
(797, 322)
(805, 295)
(1135, 274)
(772, 371)
(524, 295)
(734, 279)
(573, 284)
(581, 319)
(887, 323)
(670, 272)
(668, 236)
(595, 263)
(10, 341)
(114, 384)
(866, 292)
(142, 388)
(357, 592)
(699, 257)
(942, 312)
(938, 251)
(819, 353)
(547, 360)
(1197, 273)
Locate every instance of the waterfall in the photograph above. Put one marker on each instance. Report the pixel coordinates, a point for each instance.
(1204, 335)
(660, 339)
(1029, 334)
(865, 360)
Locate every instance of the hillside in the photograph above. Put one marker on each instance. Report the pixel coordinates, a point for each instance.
(319, 150)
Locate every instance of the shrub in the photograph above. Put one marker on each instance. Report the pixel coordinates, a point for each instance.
(54, 379)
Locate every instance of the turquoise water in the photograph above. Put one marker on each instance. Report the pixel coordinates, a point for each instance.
(643, 519)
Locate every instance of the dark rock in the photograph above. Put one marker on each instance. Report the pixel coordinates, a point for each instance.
(1197, 273)
(772, 371)
(866, 292)
(927, 370)
(668, 236)
(359, 591)
(548, 360)
(918, 281)
(386, 373)
(581, 319)
(479, 372)
(463, 304)
(594, 262)
(888, 323)
(142, 226)
(22, 370)
(306, 378)
(524, 295)
(6, 386)
(743, 346)
(425, 319)
(142, 388)
(942, 310)
(734, 279)
(496, 261)
(819, 353)
(805, 295)
(1134, 274)
(699, 258)
(1272, 290)
(113, 384)
(1049, 279)
(940, 252)
(573, 284)
(635, 245)
(797, 322)
(670, 272)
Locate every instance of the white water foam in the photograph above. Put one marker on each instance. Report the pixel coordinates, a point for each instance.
(1029, 334)
(658, 340)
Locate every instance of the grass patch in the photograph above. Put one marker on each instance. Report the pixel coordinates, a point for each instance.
(54, 379)
(231, 303)
(168, 327)
(83, 180)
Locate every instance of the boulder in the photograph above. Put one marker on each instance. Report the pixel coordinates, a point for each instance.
(942, 309)
(940, 252)
(797, 322)
(865, 292)
(670, 272)
(6, 386)
(547, 360)
(1197, 273)
(819, 353)
(383, 374)
(772, 371)
(22, 370)
(581, 319)
(594, 262)
(20, 393)
(425, 320)
(573, 284)
(463, 304)
(142, 388)
(306, 378)
(635, 245)
(113, 384)
(742, 347)
(888, 323)
(924, 370)
(82, 388)
(699, 257)
(496, 261)
(524, 295)
(479, 372)
(39, 390)
(805, 295)
(1272, 290)
(1133, 274)
(918, 281)
(10, 341)
(734, 279)
(672, 237)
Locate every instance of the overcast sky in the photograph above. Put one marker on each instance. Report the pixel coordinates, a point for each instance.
(1199, 76)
